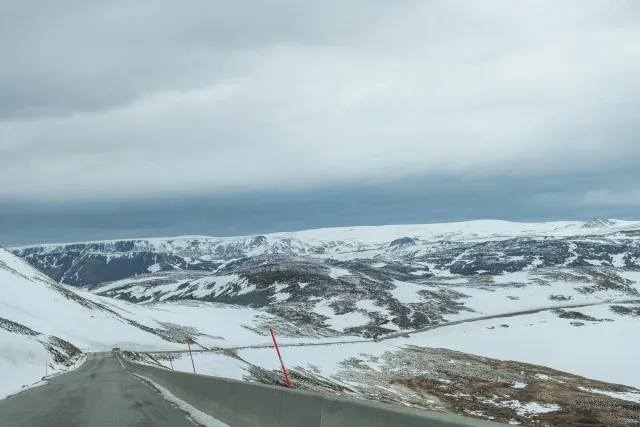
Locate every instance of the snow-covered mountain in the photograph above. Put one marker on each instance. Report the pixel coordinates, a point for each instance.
(368, 281)
(468, 248)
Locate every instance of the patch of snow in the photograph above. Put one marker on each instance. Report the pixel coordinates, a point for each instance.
(536, 408)
(327, 359)
(519, 385)
(338, 272)
(24, 362)
(529, 408)
(419, 272)
(617, 260)
(479, 414)
(154, 268)
(282, 296)
(406, 292)
(125, 282)
(628, 396)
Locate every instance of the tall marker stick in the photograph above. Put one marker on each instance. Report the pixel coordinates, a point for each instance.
(191, 354)
(284, 370)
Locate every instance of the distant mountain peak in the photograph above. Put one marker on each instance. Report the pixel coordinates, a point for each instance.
(598, 223)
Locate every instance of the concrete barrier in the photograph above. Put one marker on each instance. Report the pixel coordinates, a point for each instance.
(245, 404)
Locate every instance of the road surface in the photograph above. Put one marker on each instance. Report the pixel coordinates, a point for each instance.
(100, 393)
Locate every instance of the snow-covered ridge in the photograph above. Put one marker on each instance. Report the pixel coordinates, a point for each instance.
(474, 247)
(467, 230)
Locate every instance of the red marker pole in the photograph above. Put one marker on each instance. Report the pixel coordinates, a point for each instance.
(171, 361)
(284, 370)
(191, 354)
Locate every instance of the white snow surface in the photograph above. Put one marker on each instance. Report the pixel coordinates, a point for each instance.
(323, 359)
(605, 351)
(24, 362)
(340, 322)
(528, 408)
(628, 396)
(214, 364)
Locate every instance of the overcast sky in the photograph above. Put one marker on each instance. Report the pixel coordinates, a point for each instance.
(146, 117)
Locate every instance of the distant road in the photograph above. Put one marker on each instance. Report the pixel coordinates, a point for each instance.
(100, 393)
(508, 314)
(406, 333)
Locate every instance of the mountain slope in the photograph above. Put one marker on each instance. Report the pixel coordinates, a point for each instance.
(360, 299)
(43, 322)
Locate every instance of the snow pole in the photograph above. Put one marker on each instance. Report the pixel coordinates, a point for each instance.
(284, 370)
(191, 354)
(170, 361)
(46, 369)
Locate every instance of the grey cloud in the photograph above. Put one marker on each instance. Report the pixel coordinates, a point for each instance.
(123, 100)
(613, 198)
(74, 55)
(436, 199)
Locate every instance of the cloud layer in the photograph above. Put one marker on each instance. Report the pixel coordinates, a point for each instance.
(121, 99)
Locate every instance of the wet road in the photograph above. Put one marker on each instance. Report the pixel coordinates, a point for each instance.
(100, 393)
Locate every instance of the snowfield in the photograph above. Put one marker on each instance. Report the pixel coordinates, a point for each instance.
(24, 362)
(605, 350)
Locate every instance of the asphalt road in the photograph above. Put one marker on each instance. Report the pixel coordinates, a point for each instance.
(101, 393)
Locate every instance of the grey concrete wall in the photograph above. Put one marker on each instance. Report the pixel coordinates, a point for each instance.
(244, 404)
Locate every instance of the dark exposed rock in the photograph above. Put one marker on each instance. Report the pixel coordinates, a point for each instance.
(403, 241)
(14, 327)
(626, 310)
(575, 315)
(559, 298)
